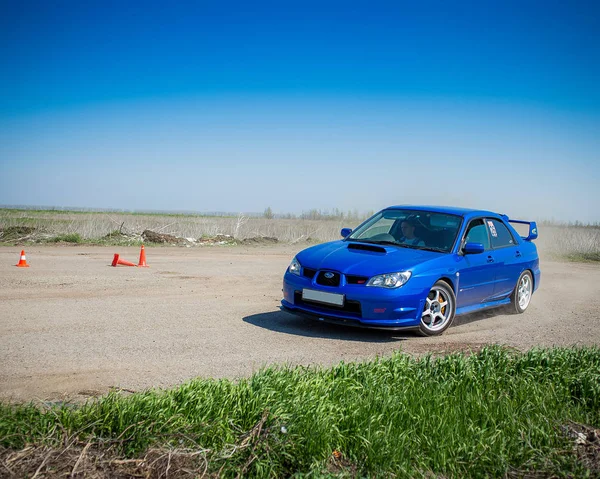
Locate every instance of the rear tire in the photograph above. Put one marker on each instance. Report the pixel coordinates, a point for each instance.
(438, 311)
(521, 296)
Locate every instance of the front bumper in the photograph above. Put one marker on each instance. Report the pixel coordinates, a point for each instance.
(367, 307)
(343, 321)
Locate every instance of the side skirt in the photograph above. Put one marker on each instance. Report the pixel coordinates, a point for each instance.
(479, 307)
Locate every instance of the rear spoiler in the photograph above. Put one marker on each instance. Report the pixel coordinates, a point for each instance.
(533, 231)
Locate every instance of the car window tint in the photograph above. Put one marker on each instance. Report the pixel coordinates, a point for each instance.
(380, 227)
(477, 233)
(500, 235)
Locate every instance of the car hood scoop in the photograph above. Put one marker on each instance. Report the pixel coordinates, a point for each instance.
(367, 247)
(362, 259)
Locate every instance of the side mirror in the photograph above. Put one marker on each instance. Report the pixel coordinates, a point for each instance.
(346, 232)
(473, 248)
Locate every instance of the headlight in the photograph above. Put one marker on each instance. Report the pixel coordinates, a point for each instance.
(295, 267)
(390, 280)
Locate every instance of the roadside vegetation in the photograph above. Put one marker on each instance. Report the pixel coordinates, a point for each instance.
(42, 226)
(574, 242)
(497, 413)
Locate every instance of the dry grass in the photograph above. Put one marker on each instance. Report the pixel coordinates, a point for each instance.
(580, 243)
(98, 225)
(575, 242)
(97, 460)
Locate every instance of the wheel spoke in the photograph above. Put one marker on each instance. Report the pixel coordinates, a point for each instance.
(438, 309)
(524, 292)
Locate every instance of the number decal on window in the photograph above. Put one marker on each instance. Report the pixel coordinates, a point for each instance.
(492, 228)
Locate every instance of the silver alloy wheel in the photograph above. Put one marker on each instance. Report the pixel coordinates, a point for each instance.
(524, 291)
(438, 309)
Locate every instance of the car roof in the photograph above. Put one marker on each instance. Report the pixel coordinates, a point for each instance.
(450, 210)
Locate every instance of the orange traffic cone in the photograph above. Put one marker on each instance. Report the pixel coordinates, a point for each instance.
(117, 260)
(142, 263)
(23, 261)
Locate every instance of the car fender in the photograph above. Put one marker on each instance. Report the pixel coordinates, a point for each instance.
(445, 268)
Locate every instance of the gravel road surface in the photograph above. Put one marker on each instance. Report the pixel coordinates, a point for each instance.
(72, 327)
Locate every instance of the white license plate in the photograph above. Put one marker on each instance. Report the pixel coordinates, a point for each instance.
(321, 297)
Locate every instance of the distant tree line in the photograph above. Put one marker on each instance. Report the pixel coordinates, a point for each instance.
(317, 214)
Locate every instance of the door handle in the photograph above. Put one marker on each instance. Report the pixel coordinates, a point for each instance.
(490, 259)
(518, 254)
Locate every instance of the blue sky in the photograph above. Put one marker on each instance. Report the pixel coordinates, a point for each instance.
(236, 106)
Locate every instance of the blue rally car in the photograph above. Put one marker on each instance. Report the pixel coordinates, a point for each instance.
(410, 267)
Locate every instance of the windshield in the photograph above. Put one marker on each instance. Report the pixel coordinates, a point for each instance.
(411, 229)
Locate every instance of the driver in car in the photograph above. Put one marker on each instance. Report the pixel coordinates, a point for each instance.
(408, 233)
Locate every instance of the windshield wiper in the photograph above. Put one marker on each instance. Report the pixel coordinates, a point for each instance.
(405, 245)
(365, 241)
(401, 245)
(429, 248)
(393, 243)
(384, 242)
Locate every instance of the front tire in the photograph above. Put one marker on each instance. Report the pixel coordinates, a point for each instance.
(521, 296)
(438, 311)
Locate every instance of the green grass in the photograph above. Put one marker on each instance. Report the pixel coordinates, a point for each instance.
(67, 238)
(456, 416)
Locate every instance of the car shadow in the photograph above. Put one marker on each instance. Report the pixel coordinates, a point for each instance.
(282, 322)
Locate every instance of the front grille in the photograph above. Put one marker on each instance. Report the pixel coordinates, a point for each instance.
(333, 281)
(351, 279)
(309, 272)
(350, 306)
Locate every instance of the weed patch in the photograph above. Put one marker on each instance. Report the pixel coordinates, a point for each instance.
(591, 256)
(66, 238)
(493, 414)
(16, 233)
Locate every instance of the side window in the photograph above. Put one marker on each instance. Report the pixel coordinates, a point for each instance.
(477, 233)
(500, 235)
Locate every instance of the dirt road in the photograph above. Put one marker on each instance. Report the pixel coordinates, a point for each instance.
(71, 326)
